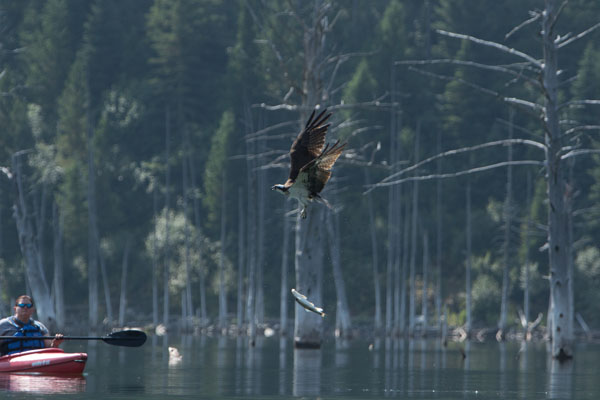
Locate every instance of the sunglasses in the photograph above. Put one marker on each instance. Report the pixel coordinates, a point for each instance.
(23, 305)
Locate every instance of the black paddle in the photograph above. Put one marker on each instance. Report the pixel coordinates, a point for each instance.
(129, 338)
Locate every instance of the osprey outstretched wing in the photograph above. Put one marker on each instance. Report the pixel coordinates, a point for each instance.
(309, 143)
(311, 162)
(317, 172)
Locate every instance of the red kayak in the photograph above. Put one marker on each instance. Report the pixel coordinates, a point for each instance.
(48, 361)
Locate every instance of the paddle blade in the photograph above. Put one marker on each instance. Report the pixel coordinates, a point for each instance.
(129, 338)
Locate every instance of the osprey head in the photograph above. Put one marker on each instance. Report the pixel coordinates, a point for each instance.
(281, 188)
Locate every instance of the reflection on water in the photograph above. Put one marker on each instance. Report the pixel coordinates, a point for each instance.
(218, 367)
(282, 365)
(307, 372)
(560, 384)
(42, 384)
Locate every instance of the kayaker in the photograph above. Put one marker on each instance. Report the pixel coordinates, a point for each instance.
(21, 324)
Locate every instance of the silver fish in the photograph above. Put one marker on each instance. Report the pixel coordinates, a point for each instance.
(308, 306)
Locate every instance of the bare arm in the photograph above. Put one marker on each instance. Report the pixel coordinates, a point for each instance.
(58, 339)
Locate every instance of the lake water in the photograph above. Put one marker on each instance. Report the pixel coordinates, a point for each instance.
(213, 368)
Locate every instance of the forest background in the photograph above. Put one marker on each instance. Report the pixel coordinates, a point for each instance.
(139, 141)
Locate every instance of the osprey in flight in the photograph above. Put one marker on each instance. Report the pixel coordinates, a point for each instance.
(311, 162)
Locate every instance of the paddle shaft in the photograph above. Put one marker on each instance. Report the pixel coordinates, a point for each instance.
(129, 338)
(63, 338)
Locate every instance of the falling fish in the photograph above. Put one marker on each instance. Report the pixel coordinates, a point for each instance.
(308, 306)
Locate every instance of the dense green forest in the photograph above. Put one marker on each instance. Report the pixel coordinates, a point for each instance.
(139, 140)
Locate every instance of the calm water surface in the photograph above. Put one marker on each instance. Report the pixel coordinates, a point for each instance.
(212, 368)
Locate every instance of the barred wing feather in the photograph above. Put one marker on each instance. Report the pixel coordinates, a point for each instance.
(318, 171)
(309, 143)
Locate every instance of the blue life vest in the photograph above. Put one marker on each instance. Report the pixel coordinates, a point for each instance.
(30, 329)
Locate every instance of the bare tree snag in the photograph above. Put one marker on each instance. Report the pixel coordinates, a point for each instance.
(34, 271)
(167, 260)
(468, 324)
(555, 147)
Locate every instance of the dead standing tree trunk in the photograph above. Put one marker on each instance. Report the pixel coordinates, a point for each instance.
(507, 214)
(558, 192)
(241, 261)
(154, 258)
(93, 238)
(375, 255)
(413, 250)
(308, 329)
(251, 232)
(425, 290)
(201, 266)
(392, 220)
(468, 323)
(314, 90)
(167, 260)
(308, 261)
(439, 238)
(405, 265)
(284, 290)
(260, 242)
(187, 300)
(105, 285)
(525, 319)
(342, 309)
(123, 295)
(222, 286)
(29, 243)
(59, 295)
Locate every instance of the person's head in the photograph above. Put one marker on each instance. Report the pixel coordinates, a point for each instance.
(24, 308)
